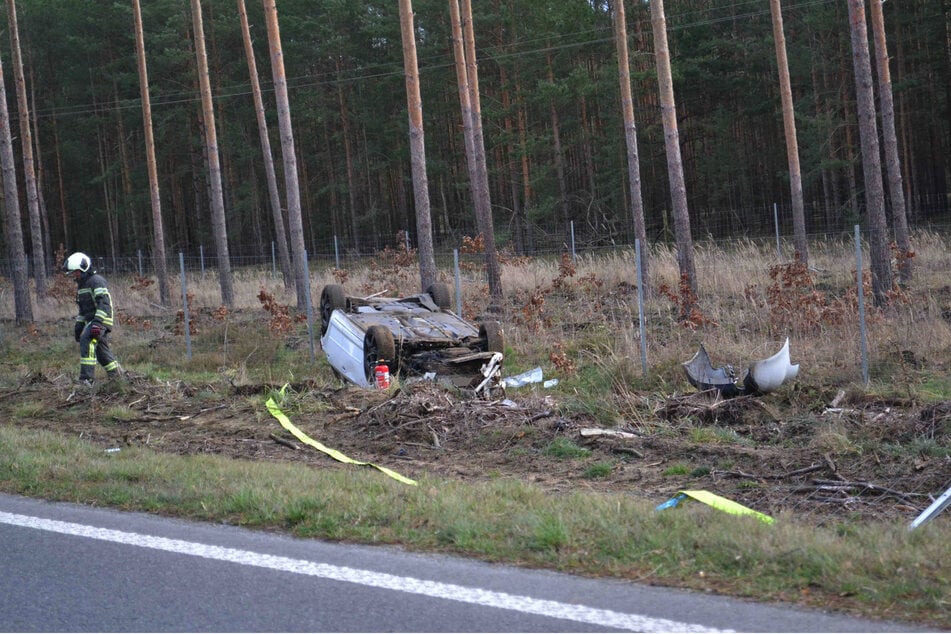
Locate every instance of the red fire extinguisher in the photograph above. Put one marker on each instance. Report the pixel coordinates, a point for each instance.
(382, 373)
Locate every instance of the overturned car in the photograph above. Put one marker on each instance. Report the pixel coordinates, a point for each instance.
(414, 336)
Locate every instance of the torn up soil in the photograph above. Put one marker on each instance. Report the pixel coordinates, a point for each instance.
(770, 456)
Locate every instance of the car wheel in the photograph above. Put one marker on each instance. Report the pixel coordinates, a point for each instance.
(378, 344)
(440, 294)
(331, 298)
(490, 335)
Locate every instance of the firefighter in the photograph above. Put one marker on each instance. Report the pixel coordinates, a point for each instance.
(94, 321)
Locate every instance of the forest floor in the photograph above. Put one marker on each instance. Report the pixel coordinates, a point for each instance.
(766, 453)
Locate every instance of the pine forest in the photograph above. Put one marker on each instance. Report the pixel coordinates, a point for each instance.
(552, 122)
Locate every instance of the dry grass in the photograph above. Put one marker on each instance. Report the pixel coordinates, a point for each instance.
(568, 315)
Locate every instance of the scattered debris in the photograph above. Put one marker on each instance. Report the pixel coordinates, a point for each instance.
(282, 441)
(718, 502)
(761, 377)
(929, 513)
(703, 376)
(525, 378)
(286, 423)
(765, 455)
(596, 431)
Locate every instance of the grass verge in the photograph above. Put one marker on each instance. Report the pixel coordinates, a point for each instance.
(873, 570)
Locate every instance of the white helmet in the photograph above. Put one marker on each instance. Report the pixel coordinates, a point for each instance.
(77, 262)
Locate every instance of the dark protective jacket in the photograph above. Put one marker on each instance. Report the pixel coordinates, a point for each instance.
(94, 300)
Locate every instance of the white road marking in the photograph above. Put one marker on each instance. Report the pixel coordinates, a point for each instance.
(476, 596)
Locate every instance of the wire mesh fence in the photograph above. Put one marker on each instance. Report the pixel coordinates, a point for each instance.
(575, 238)
(739, 287)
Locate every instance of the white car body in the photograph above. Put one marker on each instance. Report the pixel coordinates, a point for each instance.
(425, 340)
(343, 345)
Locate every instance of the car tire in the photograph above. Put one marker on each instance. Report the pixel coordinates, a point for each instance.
(490, 335)
(378, 344)
(440, 294)
(331, 298)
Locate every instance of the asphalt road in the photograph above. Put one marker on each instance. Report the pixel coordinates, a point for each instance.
(78, 569)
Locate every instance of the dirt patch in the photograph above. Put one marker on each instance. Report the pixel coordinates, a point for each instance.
(867, 458)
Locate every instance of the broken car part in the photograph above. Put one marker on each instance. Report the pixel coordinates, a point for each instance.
(761, 377)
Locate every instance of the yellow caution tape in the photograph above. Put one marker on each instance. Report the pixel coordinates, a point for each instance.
(725, 505)
(333, 453)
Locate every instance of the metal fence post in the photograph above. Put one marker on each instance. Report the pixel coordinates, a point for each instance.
(779, 252)
(310, 315)
(861, 293)
(573, 256)
(188, 335)
(458, 278)
(640, 305)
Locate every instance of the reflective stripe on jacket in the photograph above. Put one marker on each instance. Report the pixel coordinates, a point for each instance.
(94, 300)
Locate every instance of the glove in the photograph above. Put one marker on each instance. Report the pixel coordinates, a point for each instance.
(95, 330)
(78, 329)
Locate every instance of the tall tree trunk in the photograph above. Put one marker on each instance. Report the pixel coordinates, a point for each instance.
(218, 225)
(587, 154)
(306, 199)
(850, 162)
(630, 137)
(559, 157)
(523, 152)
(904, 123)
(675, 169)
(348, 158)
(12, 230)
(130, 226)
(289, 153)
(483, 203)
(890, 144)
(828, 181)
(871, 161)
(274, 196)
(225, 156)
(465, 105)
(26, 145)
(518, 210)
(59, 180)
(155, 198)
(417, 140)
(108, 195)
(479, 197)
(38, 153)
(508, 154)
(792, 144)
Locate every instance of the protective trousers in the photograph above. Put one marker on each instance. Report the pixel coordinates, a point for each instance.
(93, 351)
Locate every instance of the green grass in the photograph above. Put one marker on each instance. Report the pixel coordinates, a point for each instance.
(677, 469)
(870, 568)
(935, 388)
(121, 413)
(598, 470)
(29, 410)
(565, 448)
